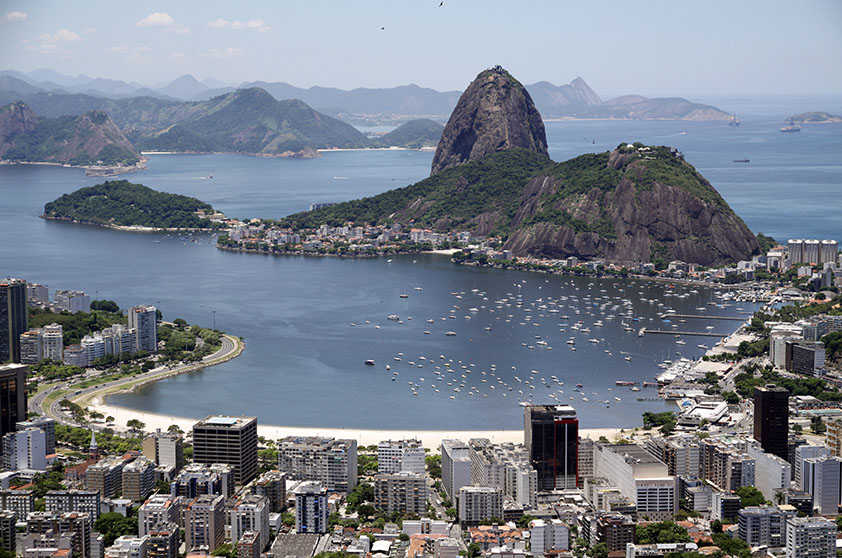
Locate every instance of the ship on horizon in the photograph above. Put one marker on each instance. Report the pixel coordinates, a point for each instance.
(734, 120)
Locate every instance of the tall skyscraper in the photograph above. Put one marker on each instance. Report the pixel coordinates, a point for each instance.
(13, 318)
(229, 440)
(144, 320)
(311, 508)
(771, 419)
(551, 436)
(12, 396)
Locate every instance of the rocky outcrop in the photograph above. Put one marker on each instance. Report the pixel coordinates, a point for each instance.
(658, 207)
(495, 113)
(89, 139)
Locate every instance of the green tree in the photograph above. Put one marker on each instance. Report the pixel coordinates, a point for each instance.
(474, 550)
(363, 492)
(663, 532)
(750, 496)
(524, 520)
(226, 550)
(433, 465)
(599, 550)
(135, 425)
(113, 525)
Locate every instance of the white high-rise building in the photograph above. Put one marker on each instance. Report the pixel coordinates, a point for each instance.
(810, 537)
(828, 251)
(25, 449)
(250, 513)
(311, 508)
(72, 301)
(329, 461)
(400, 456)
(546, 536)
(771, 473)
(158, 509)
(455, 467)
(127, 546)
(640, 477)
(478, 503)
(802, 452)
(795, 250)
(811, 251)
(31, 346)
(52, 344)
(822, 479)
(94, 346)
(37, 295)
(143, 319)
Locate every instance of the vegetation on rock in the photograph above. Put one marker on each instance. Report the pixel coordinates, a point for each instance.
(119, 202)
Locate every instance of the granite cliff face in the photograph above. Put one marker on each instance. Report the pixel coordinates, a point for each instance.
(646, 204)
(495, 113)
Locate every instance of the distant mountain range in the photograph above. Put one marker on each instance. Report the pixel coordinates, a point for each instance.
(573, 100)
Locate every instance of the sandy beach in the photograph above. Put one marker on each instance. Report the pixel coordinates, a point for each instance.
(430, 438)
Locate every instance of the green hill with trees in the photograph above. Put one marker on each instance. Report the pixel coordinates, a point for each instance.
(636, 203)
(121, 203)
(413, 134)
(88, 139)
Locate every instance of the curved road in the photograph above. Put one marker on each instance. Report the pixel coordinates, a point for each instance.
(231, 347)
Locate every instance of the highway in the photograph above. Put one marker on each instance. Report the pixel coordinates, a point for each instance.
(230, 348)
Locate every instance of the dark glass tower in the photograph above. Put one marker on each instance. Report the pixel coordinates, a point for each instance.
(13, 318)
(551, 436)
(12, 396)
(771, 419)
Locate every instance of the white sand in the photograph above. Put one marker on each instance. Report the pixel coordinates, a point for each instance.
(365, 437)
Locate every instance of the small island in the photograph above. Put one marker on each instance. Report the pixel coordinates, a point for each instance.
(814, 118)
(120, 204)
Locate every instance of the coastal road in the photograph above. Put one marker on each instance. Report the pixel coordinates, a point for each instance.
(230, 348)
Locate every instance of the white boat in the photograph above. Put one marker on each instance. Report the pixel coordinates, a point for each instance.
(451, 333)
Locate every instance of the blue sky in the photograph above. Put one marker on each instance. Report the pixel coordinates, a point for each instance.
(675, 47)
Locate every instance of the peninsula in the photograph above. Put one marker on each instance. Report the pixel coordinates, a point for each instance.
(120, 204)
(493, 183)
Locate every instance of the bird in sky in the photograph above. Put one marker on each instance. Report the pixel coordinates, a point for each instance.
(442, 4)
(382, 28)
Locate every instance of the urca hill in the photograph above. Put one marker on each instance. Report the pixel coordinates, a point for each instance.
(491, 175)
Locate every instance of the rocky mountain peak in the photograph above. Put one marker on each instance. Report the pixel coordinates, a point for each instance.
(495, 113)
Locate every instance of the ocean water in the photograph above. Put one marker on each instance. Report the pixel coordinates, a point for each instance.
(304, 362)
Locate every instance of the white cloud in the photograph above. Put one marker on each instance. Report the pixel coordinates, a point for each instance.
(48, 44)
(251, 25)
(165, 20)
(229, 52)
(179, 56)
(134, 53)
(61, 36)
(89, 30)
(15, 16)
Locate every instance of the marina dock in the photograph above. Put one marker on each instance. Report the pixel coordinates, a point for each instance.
(676, 332)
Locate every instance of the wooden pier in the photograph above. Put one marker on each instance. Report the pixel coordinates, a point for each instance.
(702, 316)
(676, 332)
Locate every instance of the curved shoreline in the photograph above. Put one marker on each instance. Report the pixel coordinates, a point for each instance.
(127, 228)
(96, 396)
